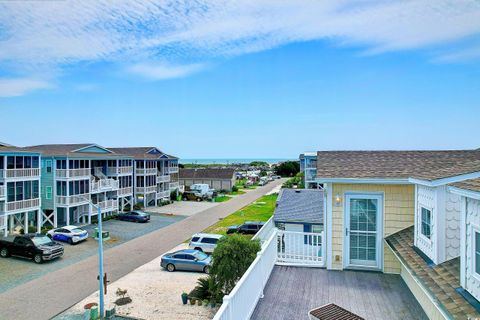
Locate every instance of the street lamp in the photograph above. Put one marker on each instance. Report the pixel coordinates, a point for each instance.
(100, 259)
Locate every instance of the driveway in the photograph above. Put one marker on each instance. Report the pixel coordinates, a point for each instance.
(155, 294)
(15, 271)
(25, 302)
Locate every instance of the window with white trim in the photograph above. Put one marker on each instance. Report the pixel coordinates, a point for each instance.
(426, 227)
(476, 249)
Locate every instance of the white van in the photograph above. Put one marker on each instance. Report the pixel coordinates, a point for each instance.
(204, 242)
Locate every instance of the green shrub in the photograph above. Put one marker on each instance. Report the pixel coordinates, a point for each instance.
(231, 258)
(234, 189)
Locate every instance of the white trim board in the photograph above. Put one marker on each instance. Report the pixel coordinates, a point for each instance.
(465, 193)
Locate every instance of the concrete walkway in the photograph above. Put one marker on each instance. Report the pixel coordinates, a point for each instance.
(53, 293)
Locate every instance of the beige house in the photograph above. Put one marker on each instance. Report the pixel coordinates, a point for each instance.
(216, 178)
(395, 212)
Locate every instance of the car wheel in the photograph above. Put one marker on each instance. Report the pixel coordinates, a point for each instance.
(70, 241)
(206, 269)
(170, 267)
(38, 259)
(4, 253)
(199, 249)
(199, 199)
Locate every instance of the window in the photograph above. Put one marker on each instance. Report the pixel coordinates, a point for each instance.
(35, 162)
(11, 192)
(477, 252)
(48, 164)
(426, 222)
(11, 162)
(48, 193)
(209, 240)
(195, 239)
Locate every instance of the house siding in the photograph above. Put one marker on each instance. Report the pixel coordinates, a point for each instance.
(398, 214)
(217, 184)
(47, 180)
(452, 225)
(472, 281)
(426, 198)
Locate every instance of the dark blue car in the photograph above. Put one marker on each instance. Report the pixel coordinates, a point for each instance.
(134, 216)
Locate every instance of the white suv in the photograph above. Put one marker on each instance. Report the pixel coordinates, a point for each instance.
(204, 242)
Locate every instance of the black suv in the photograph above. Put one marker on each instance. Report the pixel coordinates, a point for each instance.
(249, 227)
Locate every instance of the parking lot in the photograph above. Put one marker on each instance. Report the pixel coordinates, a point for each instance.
(15, 271)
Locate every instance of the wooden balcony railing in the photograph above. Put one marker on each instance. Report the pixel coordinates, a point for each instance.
(30, 204)
(108, 205)
(163, 179)
(144, 190)
(22, 173)
(72, 173)
(116, 171)
(125, 191)
(163, 194)
(2, 191)
(103, 185)
(72, 200)
(146, 171)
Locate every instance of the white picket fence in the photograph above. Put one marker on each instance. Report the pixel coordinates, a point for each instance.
(241, 302)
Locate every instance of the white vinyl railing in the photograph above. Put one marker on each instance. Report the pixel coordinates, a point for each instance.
(23, 205)
(21, 173)
(241, 302)
(163, 194)
(150, 189)
(125, 191)
(299, 248)
(104, 185)
(108, 205)
(113, 171)
(72, 200)
(264, 233)
(163, 179)
(72, 173)
(173, 185)
(172, 169)
(146, 171)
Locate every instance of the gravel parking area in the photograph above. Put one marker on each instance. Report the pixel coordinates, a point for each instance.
(184, 208)
(155, 294)
(15, 271)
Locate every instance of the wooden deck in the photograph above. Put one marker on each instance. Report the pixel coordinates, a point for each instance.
(293, 291)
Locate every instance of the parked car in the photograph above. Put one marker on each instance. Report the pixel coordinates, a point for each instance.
(70, 234)
(32, 246)
(204, 242)
(188, 260)
(192, 196)
(134, 216)
(249, 227)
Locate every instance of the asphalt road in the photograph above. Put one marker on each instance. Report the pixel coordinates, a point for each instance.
(47, 296)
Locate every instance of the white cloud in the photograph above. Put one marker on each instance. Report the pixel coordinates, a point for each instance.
(50, 34)
(20, 86)
(164, 71)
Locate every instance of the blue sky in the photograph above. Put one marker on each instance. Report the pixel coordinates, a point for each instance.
(252, 80)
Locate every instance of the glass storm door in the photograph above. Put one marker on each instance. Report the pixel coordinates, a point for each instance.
(364, 230)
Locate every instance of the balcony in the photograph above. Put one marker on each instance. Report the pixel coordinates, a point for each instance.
(103, 185)
(311, 164)
(172, 169)
(72, 173)
(119, 171)
(163, 179)
(146, 171)
(24, 205)
(108, 205)
(163, 194)
(2, 192)
(20, 173)
(144, 190)
(127, 191)
(173, 185)
(78, 199)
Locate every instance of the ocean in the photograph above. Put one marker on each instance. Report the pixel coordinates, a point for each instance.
(231, 160)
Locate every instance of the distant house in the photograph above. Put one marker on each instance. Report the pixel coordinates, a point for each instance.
(216, 178)
(300, 210)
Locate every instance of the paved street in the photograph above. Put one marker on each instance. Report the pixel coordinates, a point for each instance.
(45, 297)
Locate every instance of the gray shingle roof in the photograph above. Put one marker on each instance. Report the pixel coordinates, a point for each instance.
(472, 185)
(425, 165)
(141, 153)
(299, 205)
(207, 173)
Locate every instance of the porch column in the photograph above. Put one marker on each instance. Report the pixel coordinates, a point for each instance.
(39, 220)
(67, 222)
(89, 213)
(55, 217)
(5, 225)
(25, 228)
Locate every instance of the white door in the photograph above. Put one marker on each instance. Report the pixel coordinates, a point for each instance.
(363, 231)
(295, 227)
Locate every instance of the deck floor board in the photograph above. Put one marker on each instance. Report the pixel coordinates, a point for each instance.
(293, 291)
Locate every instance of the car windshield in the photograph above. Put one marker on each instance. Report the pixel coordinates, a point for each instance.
(201, 256)
(38, 241)
(77, 230)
